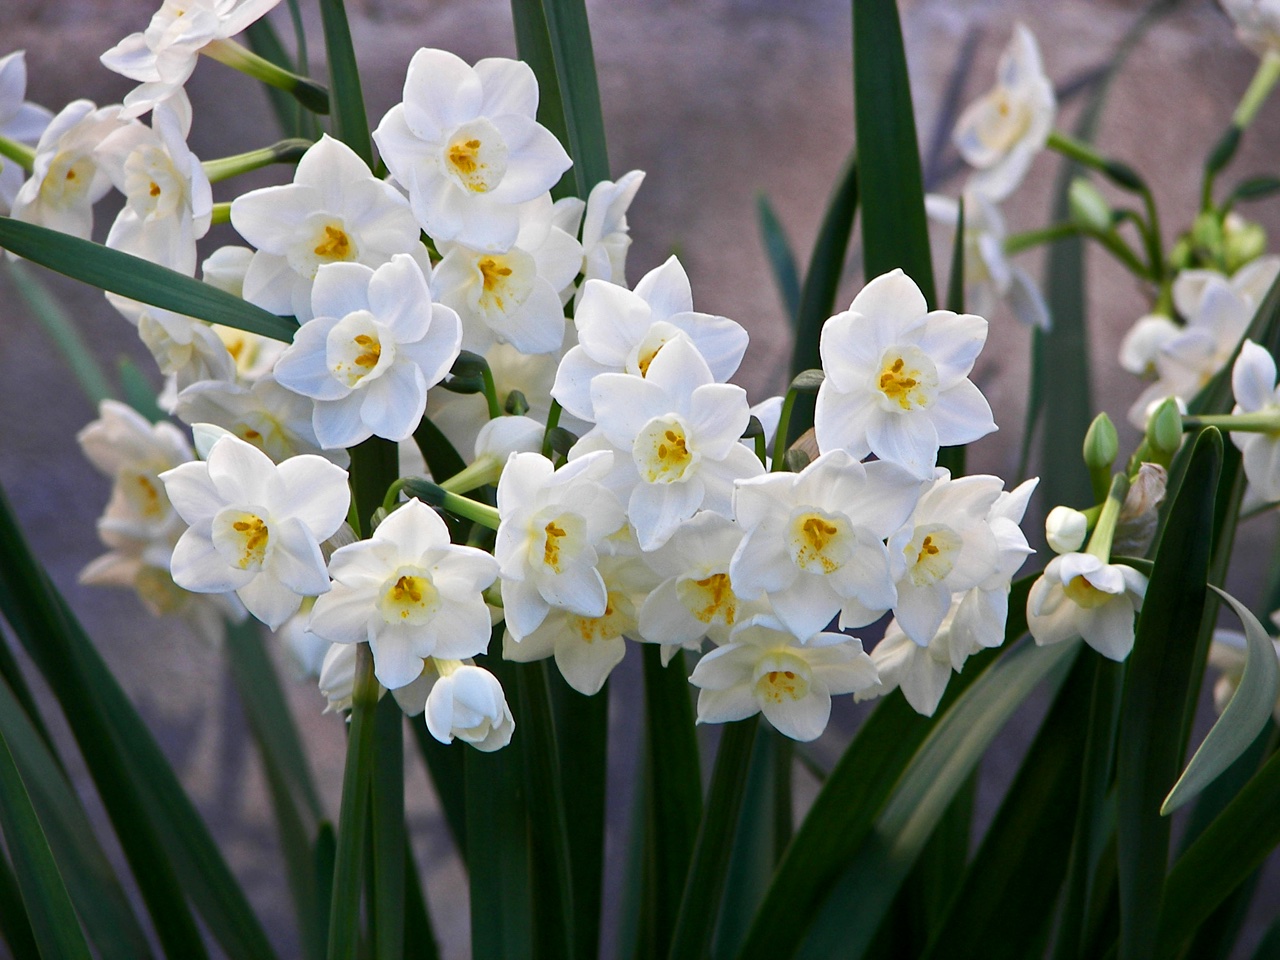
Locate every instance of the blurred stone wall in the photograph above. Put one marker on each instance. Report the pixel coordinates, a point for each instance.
(717, 100)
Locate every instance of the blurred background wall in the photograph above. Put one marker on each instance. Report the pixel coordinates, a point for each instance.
(717, 100)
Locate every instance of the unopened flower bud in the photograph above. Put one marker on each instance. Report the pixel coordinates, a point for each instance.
(1164, 429)
(1089, 208)
(1243, 241)
(1101, 443)
(1065, 529)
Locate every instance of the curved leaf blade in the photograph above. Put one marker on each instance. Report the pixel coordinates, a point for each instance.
(138, 279)
(1244, 718)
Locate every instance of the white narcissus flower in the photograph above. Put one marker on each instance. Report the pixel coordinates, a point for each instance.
(897, 378)
(984, 610)
(696, 597)
(1253, 380)
(623, 331)
(408, 592)
(512, 297)
(256, 527)
(188, 350)
(19, 120)
(1257, 24)
(552, 532)
(602, 221)
(1080, 596)
(275, 420)
(675, 434)
(1001, 132)
(921, 672)
(814, 541)
(376, 345)
(465, 144)
(1141, 346)
(467, 702)
(163, 57)
(335, 211)
(946, 546)
(168, 200)
(1218, 310)
(586, 649)
(1065, 529)
(765, 670)
(989, 275)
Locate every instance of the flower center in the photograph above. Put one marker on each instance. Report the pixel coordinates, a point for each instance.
(334, 244)
(506, 280)
(908, 380)
(709, 600)
(69, 178)
(561, 538)
(782, 677)
(1005, 121)
(931, 553)
(155, 189)
(1084, 594)
(821, 542)
(662, 453)
(618, 618)
(144, 492)
(476, 156)
(241, 537)
(409, 596)
(358, 349)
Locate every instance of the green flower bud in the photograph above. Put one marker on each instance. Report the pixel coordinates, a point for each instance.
(1243, 241)
(1164, 431)
(1089, 208)
(1101, 444)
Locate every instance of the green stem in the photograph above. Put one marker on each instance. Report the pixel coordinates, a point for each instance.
(491, 393)
(1155, 247)
(1122, 252)
(1105, 530)
(1077, 150)
(344, 916)
(553, 421)
(1260, 87)
(19, 153)
(485, 470)
(780, 438)
(284, 151)
(221, 213)
(307, 92)
(437, 496)
(1017, 242)
(1236, 423)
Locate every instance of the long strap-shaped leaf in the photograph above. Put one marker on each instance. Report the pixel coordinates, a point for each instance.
(157, 825)
(894, 230)
(15, 928)
(138, 279)
(1161, 670)
(48, 906)
(553, 37)
(350, 124)
(98, 896)
(862, 897)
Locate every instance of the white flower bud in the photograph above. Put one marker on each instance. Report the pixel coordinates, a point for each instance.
(1065, 529)
(467, 702)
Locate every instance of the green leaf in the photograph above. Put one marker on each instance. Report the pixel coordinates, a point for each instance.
(498, 840)
(48, 905)
(58, 326)
(554, 38)
(15, 928)
(549, 833)
(781, 259)
(1224, 856)
(584, 771)
(1255, 188)
(353, 817)
(158, 828)
(818, 295)
(862, 896)
(700, 905)
(350, 124)
(894, 230)
(265, 42)
(1245, 717)
(97, 895)
(287, 773)
(845, 808)
(390, 841)
(1162, 669)
(1007, 894)
(673, 794)
(139, 279)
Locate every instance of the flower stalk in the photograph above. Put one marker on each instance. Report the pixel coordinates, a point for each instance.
(312, 95)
